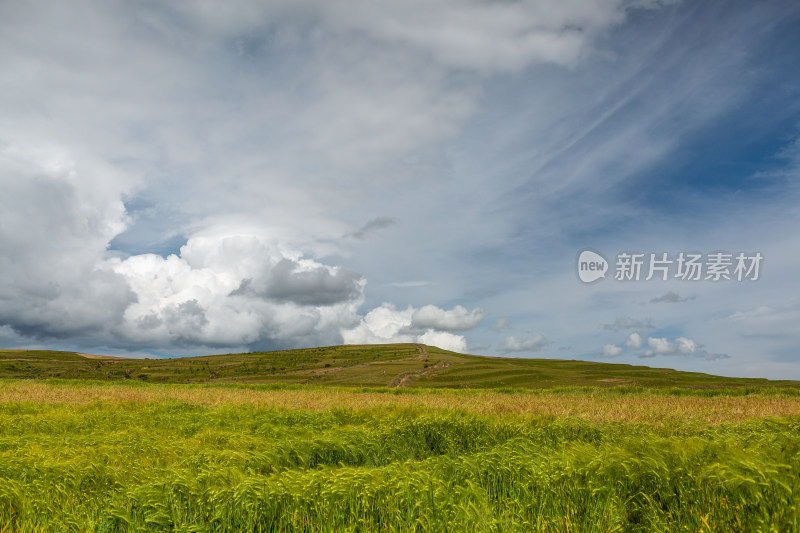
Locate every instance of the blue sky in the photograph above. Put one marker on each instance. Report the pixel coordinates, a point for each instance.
(207, 177)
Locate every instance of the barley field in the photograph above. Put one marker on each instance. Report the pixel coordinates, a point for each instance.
(127, 456)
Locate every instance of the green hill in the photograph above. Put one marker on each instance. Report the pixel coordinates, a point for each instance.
(387, 365)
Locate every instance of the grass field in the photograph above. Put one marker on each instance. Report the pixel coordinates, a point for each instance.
(134, 456)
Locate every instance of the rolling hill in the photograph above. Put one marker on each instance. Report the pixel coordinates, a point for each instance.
(389, 365)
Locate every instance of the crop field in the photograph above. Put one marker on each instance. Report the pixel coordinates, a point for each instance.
(80, 455)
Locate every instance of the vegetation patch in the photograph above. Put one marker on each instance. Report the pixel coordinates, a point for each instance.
(128, 456)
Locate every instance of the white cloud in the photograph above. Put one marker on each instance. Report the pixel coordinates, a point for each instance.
(757, 313)
(681, 346)
(386, 324)
(611, 350)
(487, 36)
(482, 36)
(456, 319)
(381, 325)
(444, 340)
(514, 345)
(237, 290)
(634, 341)
(686, 346)
(660, 346)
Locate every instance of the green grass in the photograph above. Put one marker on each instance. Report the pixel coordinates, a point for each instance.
(372, 365)
(127, 456)
(390, 438)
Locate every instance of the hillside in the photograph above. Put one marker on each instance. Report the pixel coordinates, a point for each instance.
(390, 365)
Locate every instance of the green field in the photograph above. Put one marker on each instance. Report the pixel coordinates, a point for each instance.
(390, 365)
(390, 438)
(131, 456)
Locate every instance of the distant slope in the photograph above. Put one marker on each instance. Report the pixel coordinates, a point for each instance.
(386, 365)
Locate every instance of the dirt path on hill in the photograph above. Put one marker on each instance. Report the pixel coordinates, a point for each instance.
(404, 379)
(423, 351)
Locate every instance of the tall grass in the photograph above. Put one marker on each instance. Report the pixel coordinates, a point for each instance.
(626, 404)
(166, 460)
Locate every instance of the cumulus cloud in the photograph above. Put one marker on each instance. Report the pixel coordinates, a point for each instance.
(55, 222)
(686, 346)
(514, 345)
(444, 340)
(387, 324)
(660, 346)
(305, 283)
(612, 350)
(383, 324)
(682, 346)
(456, 319)
(629, 323)
(225, 288)
(634, 341)
(237, 290)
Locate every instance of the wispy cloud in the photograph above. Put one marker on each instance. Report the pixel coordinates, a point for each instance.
(410, 284)
(629, 323)
(371, 226)
(514, 345)
(670, 297)
(501, 324)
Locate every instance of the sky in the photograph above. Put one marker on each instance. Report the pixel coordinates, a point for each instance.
(197, 177)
